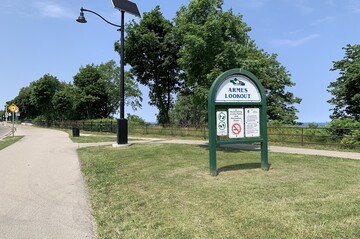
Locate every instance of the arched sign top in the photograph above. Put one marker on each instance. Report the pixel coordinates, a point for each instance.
(237, 88)
(237, 85)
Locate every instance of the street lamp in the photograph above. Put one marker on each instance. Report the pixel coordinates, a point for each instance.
(123, 6)
(81, 18)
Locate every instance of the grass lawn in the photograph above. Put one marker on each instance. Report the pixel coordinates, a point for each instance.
(92, 137)
(9, 141)
(165, 191)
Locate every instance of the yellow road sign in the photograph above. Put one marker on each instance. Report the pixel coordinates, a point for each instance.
(13, 108)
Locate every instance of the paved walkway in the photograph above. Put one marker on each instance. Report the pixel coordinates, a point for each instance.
(42, 192)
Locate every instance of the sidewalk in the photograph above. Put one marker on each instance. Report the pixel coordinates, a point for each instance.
(42, 192)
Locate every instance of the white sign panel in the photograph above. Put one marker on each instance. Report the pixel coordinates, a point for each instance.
(252, 122)
(236, 123)
(221, 123)
(238, 89)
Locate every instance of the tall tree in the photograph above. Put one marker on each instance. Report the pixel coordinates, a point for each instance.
(93, 102)
(346, 89)
(152, 51)
(26, 105)
(43, 91)
(64, 102)
(99, 90)
(111, 75)
(214, 41)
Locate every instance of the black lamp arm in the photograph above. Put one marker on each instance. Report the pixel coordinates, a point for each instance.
(97, 14)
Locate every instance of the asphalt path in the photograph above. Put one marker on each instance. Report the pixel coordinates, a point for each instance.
(4, 130)
(42, 191)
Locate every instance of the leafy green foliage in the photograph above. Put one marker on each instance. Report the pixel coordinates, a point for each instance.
(93, 101)
(43, 91)
(151, 49)
(134, 119)
(346, 89)
(346, 129)
(94, 94)
(23, 100)
(64, 102)
(214, 41)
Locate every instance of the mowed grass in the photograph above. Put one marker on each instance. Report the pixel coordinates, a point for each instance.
(165, 191)
(92, 137)
(9, 141)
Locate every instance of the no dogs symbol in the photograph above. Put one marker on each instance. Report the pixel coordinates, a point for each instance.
(222, 126)
(236, 128)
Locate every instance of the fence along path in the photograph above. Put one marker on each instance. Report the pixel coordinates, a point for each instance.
(294, 135)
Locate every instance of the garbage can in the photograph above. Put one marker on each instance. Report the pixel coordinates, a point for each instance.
(75, 131)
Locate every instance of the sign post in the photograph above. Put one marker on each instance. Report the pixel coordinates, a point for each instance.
(13, 108)
(237, 114)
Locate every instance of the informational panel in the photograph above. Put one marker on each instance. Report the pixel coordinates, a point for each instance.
(237, 114)
(236, 123)
(252, 122)
(221, 123)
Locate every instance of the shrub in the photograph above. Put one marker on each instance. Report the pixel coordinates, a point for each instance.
(347, 130)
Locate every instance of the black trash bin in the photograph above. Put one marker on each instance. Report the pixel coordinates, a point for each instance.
(75, 131)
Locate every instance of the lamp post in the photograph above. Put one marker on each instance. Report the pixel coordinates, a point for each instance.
(123, 6)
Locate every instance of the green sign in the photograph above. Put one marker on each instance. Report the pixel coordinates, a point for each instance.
(237, 114)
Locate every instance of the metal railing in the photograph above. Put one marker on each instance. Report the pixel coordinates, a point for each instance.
(296, 135)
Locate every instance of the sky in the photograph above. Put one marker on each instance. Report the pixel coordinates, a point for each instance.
(42, 37)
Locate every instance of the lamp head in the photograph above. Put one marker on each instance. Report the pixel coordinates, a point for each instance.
(81, 18)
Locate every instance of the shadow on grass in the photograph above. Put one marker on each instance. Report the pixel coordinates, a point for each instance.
(234, 148)
(236, 167)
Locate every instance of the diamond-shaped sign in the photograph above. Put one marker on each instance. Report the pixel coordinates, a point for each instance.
(13, 108)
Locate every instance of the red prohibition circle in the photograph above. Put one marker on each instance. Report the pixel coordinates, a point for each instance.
(236, 128)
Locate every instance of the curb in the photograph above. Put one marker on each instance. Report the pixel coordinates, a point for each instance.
(7, 134)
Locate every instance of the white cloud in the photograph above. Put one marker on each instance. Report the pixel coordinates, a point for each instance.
(322, 21)
(294, 42)
(49, 9)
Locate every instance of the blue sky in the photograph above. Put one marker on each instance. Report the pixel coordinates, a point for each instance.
(42, 36)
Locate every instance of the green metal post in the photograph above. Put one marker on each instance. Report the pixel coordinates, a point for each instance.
(264, 135)
(212, 137)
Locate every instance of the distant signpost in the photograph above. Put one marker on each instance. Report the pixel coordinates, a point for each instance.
(13, 109)
(237, 114)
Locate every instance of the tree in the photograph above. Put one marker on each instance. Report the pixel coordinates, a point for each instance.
(213, 41)
(26, 105)
(185, 113)
(99, 91)
(93, 101)
(152, 51)
(64, 102)
(346, 89)
(111, 75)
(43, 91)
